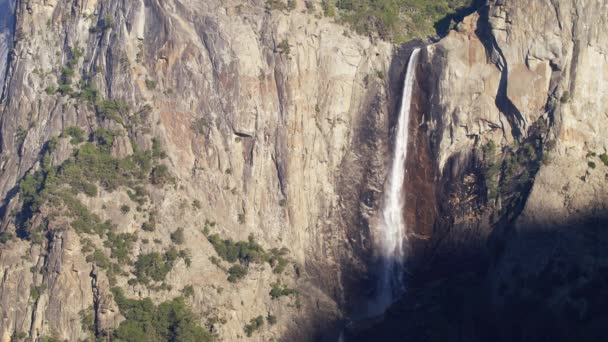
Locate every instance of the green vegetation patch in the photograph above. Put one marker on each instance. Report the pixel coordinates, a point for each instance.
(36, 292)
(76, 133)
(120, 245)
(103, 25)
(254, 325)
(178, 236)
(170, 321)
(398, 20)
(604, 158)
(280, 290)
(155, 266)
(91, 163)
(243, 253)
(236, 272)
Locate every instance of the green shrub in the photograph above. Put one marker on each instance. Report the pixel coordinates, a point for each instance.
(604, 158)
(188, 291)
(591, 164)
(20, 336)
(111, 109)
(150, 84)
(242, 251)
(67, 74)
(89, 94)
(169, 321)
(196, 204)
(178, 236)
(76, 54)
(20, 138)
(104, 138)
(246, 252)
(284, 47)
(138, 195)
(236, 272)
(36, 292)
(87, 320)
(149, 226)
(83, 221)
(160, 175)
(65, 89)
(254, 325)
(120, 245)
(5, 237)
(271, 319)
(279, 290)
(125, 209)
(277, 5)
(53, 338)
(103, 25)
(155, 266)
(33, 189)
(489, 149)
(76, 133)
(277, 260)
(99, 259)
(157, 150)
(328, 8)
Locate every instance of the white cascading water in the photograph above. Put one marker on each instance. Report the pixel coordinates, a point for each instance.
(392, 224)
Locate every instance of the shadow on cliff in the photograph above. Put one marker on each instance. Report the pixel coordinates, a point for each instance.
(548, 283)
(444, 25)
(495, 54)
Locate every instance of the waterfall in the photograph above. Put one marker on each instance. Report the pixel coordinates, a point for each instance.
(7, 18)
(392, 225)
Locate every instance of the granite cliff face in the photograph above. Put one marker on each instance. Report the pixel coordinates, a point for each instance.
(274, 124)
(143, 127)
(511, 151)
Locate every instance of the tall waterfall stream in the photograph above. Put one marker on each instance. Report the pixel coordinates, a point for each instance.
(392, 225)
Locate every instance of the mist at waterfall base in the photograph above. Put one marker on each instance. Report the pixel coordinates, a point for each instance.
(392, 227)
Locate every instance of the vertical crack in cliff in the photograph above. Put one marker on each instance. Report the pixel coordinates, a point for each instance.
(495, 53)
(555, 5)
(576, 51)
